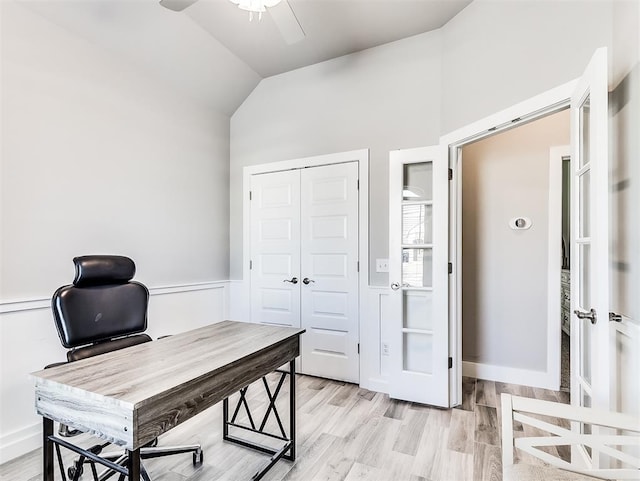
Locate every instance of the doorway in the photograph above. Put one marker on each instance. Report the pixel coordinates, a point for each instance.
(512, 254)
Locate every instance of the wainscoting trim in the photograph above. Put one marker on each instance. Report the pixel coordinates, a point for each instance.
(45, 303)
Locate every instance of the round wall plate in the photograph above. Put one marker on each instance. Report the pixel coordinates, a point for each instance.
(520, 223)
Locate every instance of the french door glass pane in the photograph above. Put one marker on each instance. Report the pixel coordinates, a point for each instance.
(585, 123)
(584, 298)
(417, 309)
(417, 352)
(418, 181)
(417, 267)
(416, 224)
(584, 189)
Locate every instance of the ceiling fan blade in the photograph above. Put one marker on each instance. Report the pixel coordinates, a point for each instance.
(286, 21)
(177, 5)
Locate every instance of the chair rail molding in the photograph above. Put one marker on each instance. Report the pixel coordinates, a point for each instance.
(15, 305)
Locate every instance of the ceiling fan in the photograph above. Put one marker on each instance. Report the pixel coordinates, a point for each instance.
(280, 11)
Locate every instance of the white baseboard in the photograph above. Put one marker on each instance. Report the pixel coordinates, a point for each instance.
(509, 375)
(19, 442)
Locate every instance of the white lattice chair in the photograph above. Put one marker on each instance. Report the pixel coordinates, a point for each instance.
(622, 447)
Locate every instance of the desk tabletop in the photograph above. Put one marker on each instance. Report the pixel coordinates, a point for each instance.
(138, 373)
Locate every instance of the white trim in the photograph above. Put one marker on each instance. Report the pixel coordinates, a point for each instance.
(197, 286)
(510, 375)
(362, 157)
(45, 303)
(554, 318)
(19, 442)
(372, 374)
(533, 108)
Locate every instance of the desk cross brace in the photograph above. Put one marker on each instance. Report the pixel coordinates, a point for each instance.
(288, 450)
(93, 458)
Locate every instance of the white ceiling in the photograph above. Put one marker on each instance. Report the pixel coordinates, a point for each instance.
(214, 54)
(333, 28)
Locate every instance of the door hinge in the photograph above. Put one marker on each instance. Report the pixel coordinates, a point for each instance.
(357, 266)
(358, 184)
(358, 348)
(450, 362)
(450, 268)
(250, 265)
(450, 174)
(249, 195)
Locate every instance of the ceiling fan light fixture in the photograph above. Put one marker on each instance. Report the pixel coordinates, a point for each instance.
(255, 6)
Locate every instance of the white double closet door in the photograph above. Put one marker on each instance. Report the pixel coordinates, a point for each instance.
(304, 262)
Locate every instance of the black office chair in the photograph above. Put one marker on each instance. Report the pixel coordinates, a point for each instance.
(104, 311)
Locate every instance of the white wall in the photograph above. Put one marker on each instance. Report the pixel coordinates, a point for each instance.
(500, 52)
(504, 271)
(383, 98)
(99, 157)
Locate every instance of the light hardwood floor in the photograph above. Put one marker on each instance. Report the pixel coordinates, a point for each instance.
(344, 433)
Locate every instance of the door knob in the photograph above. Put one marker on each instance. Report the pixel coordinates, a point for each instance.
(293, 280)
(395, 286)
(591, 315)
(306, 280)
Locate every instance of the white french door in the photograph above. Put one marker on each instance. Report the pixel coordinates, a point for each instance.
(418, 272)
(590, 329)
(304, 262)
(329, 270)
(275, 248)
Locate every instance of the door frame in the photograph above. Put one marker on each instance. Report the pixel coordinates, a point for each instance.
(546, 103)
(360, 156)
(557, 154)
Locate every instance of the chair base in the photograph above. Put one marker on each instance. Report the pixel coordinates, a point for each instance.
(114, 460)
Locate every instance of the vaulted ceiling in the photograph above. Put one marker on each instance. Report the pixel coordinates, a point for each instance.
(213, 53)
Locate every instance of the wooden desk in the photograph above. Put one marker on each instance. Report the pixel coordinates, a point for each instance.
(131, 396)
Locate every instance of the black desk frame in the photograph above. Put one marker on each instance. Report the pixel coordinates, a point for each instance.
(131, 467)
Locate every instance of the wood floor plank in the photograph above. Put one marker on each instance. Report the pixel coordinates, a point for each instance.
(312, 459)
(343, 395)
(380, 442)
(487, 462)
(428, 458)
(396, 409)
(486, 428)
(468, 394)
(455, 466)
(365, 393)
(461, 431)
(335, 468)
(362, 472)
(486, 393)
(411, 431)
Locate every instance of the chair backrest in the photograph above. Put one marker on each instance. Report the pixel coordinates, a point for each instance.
(103, 303)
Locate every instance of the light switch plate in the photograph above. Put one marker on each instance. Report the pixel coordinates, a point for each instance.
(382, 265)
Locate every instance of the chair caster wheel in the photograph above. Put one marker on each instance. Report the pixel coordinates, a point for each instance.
(198, 458)
(71, 472)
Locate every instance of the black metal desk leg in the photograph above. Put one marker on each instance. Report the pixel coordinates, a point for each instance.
(292, 409)
(133, 465)
(47, 449)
